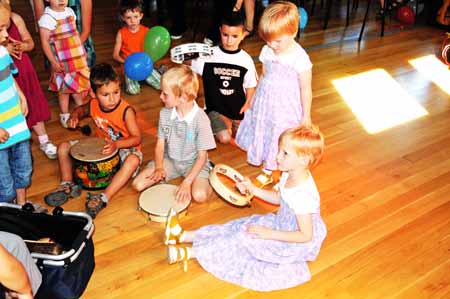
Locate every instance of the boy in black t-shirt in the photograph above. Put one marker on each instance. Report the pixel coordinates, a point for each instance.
(229, 79)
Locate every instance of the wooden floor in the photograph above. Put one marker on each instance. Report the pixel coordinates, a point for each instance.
(385, 196)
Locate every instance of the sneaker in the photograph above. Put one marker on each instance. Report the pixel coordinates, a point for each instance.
(38, 208)
(49, 149)
(63, 118)
(94, 204)
(176, 35)
(208, 41)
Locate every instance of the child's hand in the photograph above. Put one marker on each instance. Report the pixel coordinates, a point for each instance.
(183, 192)
(158, 175)
(260, 232)
(72, 122)
(109, 148)
(14, 48)
(4, 135)
(24, 106)
(244, 108)
(246, 186)
(57, 68)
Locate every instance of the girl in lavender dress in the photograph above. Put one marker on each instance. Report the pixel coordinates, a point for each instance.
(264, 252)
(283, 97)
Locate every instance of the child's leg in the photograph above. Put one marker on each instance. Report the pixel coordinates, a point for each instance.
(65, 162)
(125, 172)
(78, 98)
(7, 190)
(219, 127)
(63, 99)
(44, 143)
(201, 190)
(154, 80)
(21, 168)
(132, 87)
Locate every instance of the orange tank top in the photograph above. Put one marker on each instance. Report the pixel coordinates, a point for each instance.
(111, 124)
(132, 42)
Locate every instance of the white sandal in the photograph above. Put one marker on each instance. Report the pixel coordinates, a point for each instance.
(50, 150)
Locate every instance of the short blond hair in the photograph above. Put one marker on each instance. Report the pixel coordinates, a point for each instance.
(181, 80)
(279, 18)
(306, 141)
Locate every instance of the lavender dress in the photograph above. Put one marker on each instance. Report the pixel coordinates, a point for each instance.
(276, 106)
(231, 254)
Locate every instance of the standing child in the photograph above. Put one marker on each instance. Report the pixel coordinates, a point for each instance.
(16, 167)
(283, 97)
(83, 12)
(184, 138)
(229, 79)
(62, 45)
(115, 121)
(265, 252)
(130, 39)
(20, 42)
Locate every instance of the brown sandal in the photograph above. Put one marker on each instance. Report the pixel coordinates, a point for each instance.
(94, 204)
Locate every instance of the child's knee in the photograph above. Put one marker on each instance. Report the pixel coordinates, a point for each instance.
(133, 162)
(200, 196)
(64, 149)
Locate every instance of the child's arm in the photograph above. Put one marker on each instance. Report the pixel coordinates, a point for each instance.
(272, 197)
(45, 37)
(22, 98)
(159, 173)
(306, 95)
(38, 9)
(117, 47)
(184, 190)
(78, 113)
(4, 135)
(16, 47)
(131, 141)
(304, 234)
(86, 19)
(249, 92)
(13, 275)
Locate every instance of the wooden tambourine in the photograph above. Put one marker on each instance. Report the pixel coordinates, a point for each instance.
(189, 51)
(157, 200)
(233, 195)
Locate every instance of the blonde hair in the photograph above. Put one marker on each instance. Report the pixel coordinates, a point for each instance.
(306, 141)
(181, 80)
(278, 18)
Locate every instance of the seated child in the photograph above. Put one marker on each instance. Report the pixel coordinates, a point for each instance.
(264, 252)
(229, 79)
(130, 39)
(115, 121)
(184, 137)
(15, 154)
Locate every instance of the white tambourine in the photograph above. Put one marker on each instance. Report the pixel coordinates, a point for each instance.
(233, 196)
(189, 51)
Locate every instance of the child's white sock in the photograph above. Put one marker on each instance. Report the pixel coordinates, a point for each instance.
(43, 139)
(104, 197)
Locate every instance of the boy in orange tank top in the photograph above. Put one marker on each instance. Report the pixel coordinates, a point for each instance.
(130, 39)
(115, 121)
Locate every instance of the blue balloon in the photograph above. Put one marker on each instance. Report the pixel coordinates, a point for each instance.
(138, 66)
(265, 2)
(303, 18)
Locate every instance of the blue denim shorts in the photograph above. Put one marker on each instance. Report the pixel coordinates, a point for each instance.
(15, 170)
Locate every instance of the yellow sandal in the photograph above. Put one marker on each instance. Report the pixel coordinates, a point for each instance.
(173, 231)
(179, 254)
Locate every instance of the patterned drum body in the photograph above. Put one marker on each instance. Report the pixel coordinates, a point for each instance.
(92, 169)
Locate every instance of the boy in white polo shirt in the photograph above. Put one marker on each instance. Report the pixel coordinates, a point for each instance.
(184, 137)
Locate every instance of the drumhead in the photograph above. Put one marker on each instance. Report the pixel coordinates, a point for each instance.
(90, 150)
(157, 200)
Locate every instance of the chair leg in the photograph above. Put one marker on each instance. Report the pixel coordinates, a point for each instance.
(347, 20)
(383, 16)
(355, 4)
(313, 6)
(364, 21)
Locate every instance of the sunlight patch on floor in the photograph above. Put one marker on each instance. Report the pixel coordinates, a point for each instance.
(434, 69)
(377, 100)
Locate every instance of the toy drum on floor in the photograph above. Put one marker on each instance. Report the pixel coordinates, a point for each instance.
(157, 200)
(91, 169)
(223, 179)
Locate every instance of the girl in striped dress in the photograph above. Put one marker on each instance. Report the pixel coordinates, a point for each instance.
(62, 45)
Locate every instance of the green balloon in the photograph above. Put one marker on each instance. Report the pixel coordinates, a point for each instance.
(157, 42)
